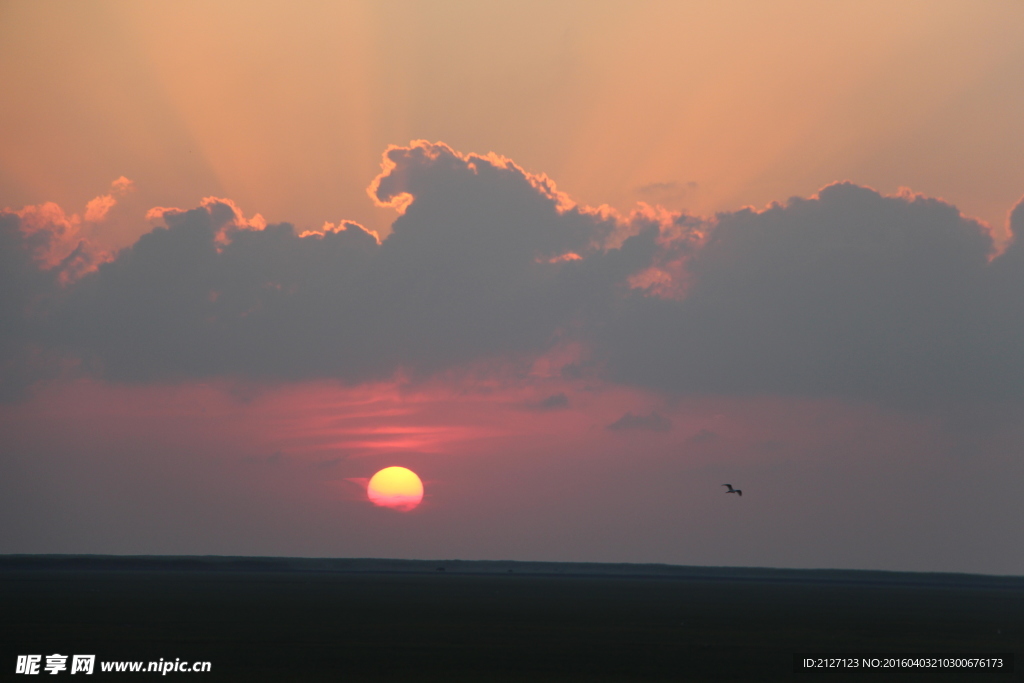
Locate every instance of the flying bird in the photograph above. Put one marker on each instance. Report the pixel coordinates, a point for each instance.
(732, 490)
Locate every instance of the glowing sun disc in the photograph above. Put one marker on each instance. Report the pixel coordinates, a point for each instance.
(395, 487)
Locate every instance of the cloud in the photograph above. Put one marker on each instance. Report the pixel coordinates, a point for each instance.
(97, 209)
(652, 423)
(52, 237)
(703, 436)
(555, 402)
(558, 401)
(215, 294)
(849, 293)
(43, 250)
(58, 242)
(471, 271)
(22, 281)
(122, 186)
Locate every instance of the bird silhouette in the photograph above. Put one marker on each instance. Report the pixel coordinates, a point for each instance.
(732, 490)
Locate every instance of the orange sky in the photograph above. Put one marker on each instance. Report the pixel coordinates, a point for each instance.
(553, 412)
(703, 106)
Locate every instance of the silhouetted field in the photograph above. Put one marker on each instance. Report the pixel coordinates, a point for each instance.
(266, 619)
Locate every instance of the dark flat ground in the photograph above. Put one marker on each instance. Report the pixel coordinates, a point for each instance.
(267, 619)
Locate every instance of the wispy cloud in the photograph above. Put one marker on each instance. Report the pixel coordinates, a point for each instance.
(654, 422)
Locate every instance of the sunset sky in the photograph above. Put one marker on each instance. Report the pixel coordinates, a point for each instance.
(576, 264)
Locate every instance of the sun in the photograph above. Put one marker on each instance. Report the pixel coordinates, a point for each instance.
(398, 488)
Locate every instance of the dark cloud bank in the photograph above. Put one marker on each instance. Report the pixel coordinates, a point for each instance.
(850, 293)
